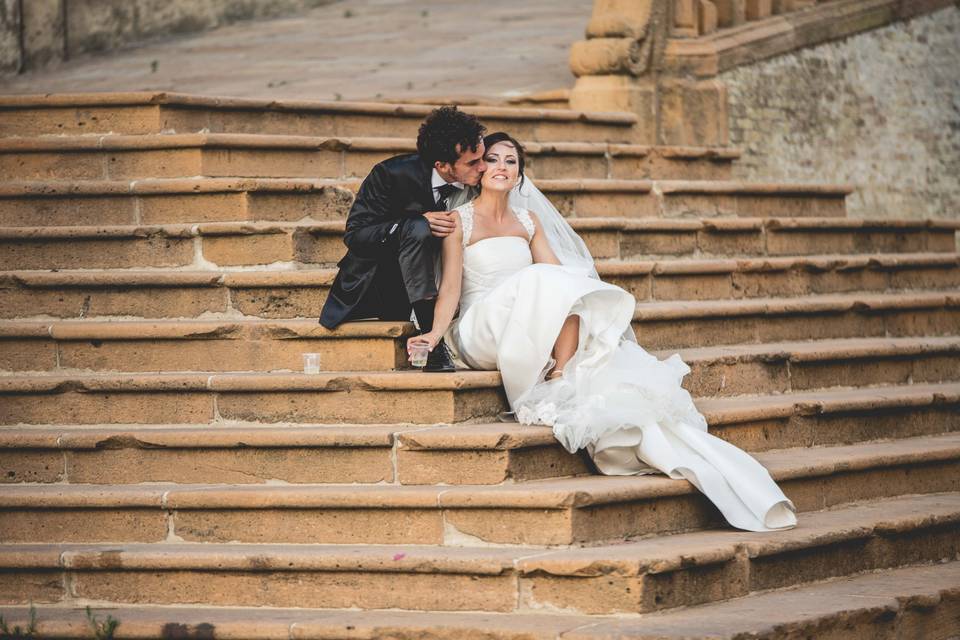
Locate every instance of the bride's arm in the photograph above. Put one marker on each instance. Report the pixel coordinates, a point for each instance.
(448, 298)
(539, 246)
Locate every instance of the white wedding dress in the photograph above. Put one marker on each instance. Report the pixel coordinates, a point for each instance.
(621, 403)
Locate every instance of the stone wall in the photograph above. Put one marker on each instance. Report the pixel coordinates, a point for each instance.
(9, 35)
(54, 29)
(880, 110)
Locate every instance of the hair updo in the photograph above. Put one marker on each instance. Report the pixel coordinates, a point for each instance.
(502, 136)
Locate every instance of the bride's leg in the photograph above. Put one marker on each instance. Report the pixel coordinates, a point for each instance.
(566, 344)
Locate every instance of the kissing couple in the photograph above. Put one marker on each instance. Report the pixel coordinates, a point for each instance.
(518, 292)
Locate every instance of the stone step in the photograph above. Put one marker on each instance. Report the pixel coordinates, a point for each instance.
(121, 157)
(251, 344)
(212, 245)
(912, 602)
(633, 577)
(415, 397)
(542, 512)
(782, 367)
(704, 323)
(449, 454)
(196, 200)
(288, 293)
(146, 113)
(405, 397)
(201, 345)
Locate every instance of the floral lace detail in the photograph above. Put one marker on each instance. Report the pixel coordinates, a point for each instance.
(524, 217)
(466, 219)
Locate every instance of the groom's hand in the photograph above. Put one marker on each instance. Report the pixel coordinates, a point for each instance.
(441, 223)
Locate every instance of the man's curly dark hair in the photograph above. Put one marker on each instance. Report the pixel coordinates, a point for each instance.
(445, 129)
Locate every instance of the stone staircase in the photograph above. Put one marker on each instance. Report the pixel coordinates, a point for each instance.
(163, 260)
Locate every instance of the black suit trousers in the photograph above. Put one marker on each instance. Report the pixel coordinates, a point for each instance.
(405, 273)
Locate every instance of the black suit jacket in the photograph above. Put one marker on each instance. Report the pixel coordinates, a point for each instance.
(396, 188)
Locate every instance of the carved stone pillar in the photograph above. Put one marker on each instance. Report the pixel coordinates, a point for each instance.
(618, 68)
(759, 9)
(685, 19)
(614, 65)
(730, 13)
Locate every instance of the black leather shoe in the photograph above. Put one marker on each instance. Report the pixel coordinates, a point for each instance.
(439, 359)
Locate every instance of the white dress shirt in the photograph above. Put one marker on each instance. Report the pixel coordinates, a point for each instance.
(436, 180)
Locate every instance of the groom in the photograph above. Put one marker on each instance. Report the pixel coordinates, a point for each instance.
(397, 222)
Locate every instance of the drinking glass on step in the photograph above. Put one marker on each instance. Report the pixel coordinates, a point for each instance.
(311, 363)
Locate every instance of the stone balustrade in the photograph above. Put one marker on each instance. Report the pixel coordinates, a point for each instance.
(662, 59)
(694, 18)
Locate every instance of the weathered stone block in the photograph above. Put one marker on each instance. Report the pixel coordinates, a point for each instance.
(360, 406)
(657, 243)
(50, 166)
(619, 93)
(253, 249)
(708, 20)
(758, 9)
(817, 375)
(731, 13)
(729, 379)
(819, 327)
(192, 208)
(678, 334)
(83, 525)
(329, 204)
(311, 526)
(130, 119)
(19, 465)
(487, 466)
(106, 408)
(26, 586)
(279, 302)
(299, 163)
(243, 466)
(27, 355)
(153, 163)
(512, 526)
(143, 302)
(692, 287)
(96, 253)
(369, 590)
(843, 488)
(923, 322)
(693, 113)
(641, 517)
(66, 211)
(726, 243)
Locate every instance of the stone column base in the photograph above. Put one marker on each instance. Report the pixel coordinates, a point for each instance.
(619, 93)
(693, 113)
(671, 112)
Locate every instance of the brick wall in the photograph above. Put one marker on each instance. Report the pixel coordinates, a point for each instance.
(880, 110)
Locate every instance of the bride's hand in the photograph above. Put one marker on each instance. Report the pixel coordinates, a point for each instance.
(429, 340)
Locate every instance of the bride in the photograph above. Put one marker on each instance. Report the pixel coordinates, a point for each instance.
(532, 306)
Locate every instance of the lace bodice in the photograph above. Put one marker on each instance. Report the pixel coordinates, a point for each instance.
(490, 261)
(466, 219)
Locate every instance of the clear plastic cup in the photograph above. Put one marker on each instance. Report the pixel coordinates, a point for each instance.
(418, 355)
(311, 363)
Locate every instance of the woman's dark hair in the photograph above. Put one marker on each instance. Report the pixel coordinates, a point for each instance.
(502, 136)
(445, 129)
